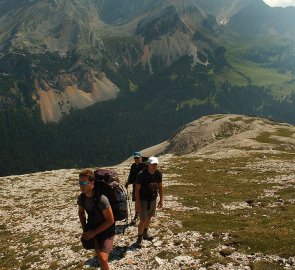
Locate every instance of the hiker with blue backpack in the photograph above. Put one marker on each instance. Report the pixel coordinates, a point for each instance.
(99, 228)
(135, 168)
(148, 186)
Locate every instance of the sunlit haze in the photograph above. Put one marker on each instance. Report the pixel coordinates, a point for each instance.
(280, 3)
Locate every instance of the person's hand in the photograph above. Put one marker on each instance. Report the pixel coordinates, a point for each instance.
(160, 204)
(88, 235)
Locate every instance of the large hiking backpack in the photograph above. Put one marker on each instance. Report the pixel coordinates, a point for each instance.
(144, 159)
(135, 169)
(108, 184)
(141, 166)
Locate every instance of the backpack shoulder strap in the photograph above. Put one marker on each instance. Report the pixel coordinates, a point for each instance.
(82, 195)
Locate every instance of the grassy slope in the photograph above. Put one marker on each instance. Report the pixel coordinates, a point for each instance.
(264, 225)
(214, 185)
(260, 228)
(241, 71)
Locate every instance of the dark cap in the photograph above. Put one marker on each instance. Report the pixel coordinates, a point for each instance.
(136, 154)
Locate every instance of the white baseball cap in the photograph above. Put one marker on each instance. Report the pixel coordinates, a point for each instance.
(153, 160)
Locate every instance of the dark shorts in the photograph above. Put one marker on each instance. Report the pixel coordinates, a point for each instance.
(147, 209)
(93, 243)
(101, 242)
(105, 246)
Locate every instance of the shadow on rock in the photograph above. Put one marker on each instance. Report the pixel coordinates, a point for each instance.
(92, 262)
(120, 228)
(119, 253)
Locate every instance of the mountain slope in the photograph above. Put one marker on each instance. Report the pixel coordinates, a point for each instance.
(228, 204)
(139, 69)
(87, 42)
(231, 132)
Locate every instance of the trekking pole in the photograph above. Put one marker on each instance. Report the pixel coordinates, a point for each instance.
(126, 223)
(129, 204)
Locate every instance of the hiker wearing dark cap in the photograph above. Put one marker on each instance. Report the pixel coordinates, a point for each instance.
(136, 167)
(148, 186)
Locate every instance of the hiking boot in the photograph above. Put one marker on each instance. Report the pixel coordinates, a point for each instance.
(138, 241)
(146, 235)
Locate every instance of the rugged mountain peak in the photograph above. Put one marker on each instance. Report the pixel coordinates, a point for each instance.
(54, 46)
(54, 26)
(64, 47)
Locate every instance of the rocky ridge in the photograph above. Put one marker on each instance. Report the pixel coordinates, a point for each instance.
(210, 133)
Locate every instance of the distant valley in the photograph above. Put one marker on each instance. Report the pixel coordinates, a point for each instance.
(89, 83)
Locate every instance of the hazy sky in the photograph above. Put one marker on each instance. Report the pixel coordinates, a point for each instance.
(282, 3)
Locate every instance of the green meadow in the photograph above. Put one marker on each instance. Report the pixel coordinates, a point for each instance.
(242, 72)
(264, 225)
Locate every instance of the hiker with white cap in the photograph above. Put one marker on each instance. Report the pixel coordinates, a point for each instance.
(148, 186)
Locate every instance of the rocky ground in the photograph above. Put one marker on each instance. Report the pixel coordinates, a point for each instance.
(39, 215)
(40, 227)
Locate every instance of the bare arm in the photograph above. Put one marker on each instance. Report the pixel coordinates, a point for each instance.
(137, 198)
(128, 179)
(160, 204)
(82, 217)
(129, 176)
(109, 220)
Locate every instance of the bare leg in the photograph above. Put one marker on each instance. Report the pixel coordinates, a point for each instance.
(103, 259)
(144, 224)
(141, 226)
(147, 222)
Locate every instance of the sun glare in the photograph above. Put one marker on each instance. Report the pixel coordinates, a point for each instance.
(280, 3)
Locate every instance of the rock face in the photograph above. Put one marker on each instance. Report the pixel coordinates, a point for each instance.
(64, 49)
(54, 104)
(52, 45)
(41, 228)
